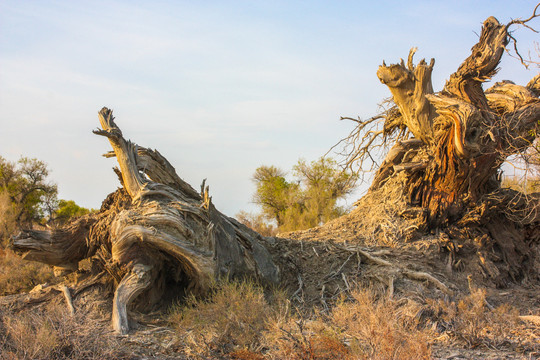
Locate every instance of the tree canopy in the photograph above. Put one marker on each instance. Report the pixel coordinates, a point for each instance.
(27, 196)
(68, 209)
(26, 190)
(311, 199)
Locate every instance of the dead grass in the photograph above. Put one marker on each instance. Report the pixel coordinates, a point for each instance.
(231, 319)
(237, 321)
(473, 323)
(18, 275)
(52, 333)
(367, 327)
(381, 328)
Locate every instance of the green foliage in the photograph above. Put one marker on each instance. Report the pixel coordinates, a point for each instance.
(25, 194)
(309, 201)
(68, 209)
(27, 197)
(274, 194)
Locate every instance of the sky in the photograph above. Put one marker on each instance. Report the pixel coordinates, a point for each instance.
(218, 87)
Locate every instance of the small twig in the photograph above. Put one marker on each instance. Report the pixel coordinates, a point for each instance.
(344, 277)
(69, 300)
(373, 259)
(344, 263)
(523, 23)
(323, 301)
(391, 287)
(300, 285)
(415, 275)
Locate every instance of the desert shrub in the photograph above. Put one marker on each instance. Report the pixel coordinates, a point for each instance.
(296, 338)
(472, 322)
(381, 328)
(18, 275)
(232, 319)
(237, 321)
(368, 327)
(53, 334)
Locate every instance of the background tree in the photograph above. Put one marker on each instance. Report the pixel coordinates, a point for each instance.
(24, 190)
(324, 184)
(274, 193)
(66, 210)
(309, 201)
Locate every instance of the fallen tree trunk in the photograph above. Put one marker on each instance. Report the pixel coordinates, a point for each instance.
(165, 231)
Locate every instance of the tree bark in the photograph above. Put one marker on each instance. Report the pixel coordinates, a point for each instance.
(466, 132)
(164, 232)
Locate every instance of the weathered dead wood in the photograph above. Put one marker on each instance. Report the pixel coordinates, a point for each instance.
(409, 86)
(69, 299)
(136, 281)
(63, 247)
(398, 270)
(466, 133)
(480, 66)
(166, 233)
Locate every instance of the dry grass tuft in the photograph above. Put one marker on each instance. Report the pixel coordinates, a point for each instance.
(236, 321)
(18, 275)
(305, 340)
(473, 323)
(52, 333)
(381, 328)
(245, 354)
(231, 320)
(368, 327)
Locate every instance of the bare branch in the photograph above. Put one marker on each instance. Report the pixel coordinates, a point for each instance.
(525, 63)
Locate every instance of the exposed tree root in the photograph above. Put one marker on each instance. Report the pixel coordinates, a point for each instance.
(398, 270)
